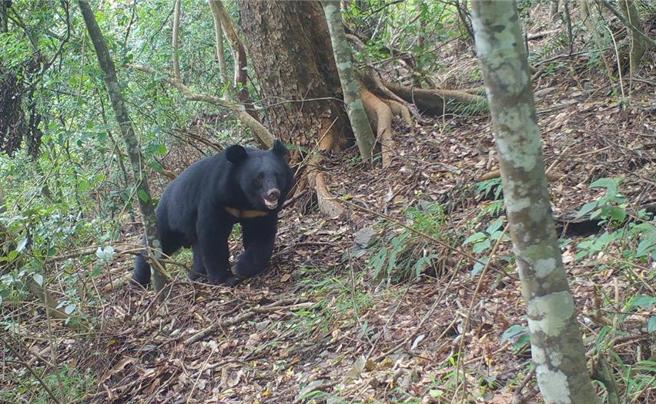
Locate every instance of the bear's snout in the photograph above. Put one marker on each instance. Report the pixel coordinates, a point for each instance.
(271, 198)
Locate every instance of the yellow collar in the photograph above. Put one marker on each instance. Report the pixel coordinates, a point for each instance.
(246, 214)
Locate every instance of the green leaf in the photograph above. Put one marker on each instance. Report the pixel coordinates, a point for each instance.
(651, 325)
(641, 302)
(435, 393)
(643, 228)
(513, 333)
(105, 254)
(585, 209)
(482, 246)
(478, 266)
(38, 278)
(646, 245)
(22, 244)
(143, 196)
(70, 308)
(475, 238)
(615, 213)
(495, 225)
(611, 184)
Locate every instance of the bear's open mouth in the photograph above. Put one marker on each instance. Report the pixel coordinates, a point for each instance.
(272, 198)
(271, 204)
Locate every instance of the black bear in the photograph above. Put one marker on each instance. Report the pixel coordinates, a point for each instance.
(199, 208)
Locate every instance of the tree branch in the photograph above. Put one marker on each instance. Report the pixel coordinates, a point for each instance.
(262, 133)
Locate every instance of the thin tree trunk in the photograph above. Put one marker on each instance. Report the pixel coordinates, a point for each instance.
(364, 136)
(218, 42)
(592, 24)
(638, 43)
(175, 40)
(129, 137)
(554, 9)
(238, 54)
(556, 344)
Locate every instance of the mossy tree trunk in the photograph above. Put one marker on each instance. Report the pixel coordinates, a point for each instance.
(127, 131)
(364, 136)
(556, 344)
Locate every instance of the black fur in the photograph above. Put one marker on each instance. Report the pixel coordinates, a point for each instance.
(192, 212)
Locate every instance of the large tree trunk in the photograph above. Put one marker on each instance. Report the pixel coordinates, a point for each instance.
(556, 346)
(289, 44)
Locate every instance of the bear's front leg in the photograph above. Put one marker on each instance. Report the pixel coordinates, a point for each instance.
(198, 271)
(213, 248)
(259, 236)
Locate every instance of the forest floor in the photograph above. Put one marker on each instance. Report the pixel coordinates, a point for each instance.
(321, 325)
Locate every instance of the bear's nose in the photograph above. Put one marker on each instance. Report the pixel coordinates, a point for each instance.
(273, 194)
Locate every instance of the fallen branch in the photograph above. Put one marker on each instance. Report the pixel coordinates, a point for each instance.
(538, 35)
(284, 304)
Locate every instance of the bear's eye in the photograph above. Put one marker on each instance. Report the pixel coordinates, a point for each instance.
(259, 177)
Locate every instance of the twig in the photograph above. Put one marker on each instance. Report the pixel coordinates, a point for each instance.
(517, 395)
(29, 368)
(428, 315)
(258, 129)
(283, 304)
(474, 300)
(617, 57)
(200, 373)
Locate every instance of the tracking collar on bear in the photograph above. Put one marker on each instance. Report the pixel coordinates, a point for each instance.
(246, 214)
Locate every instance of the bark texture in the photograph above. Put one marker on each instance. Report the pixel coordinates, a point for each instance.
(129, 137)
(350, 85)
(290, 48)
(556, 345)
(638, 43)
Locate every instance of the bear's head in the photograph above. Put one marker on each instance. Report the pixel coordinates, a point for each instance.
(263, 176)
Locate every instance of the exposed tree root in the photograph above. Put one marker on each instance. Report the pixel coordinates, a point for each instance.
(433, 101)
(400, 110)
(374, 84)
(380, 116)
(327, 203)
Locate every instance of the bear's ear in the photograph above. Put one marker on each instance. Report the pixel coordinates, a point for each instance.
(280, 150)
(236, 154)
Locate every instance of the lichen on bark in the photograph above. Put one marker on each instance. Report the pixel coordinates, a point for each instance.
(556, 344)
